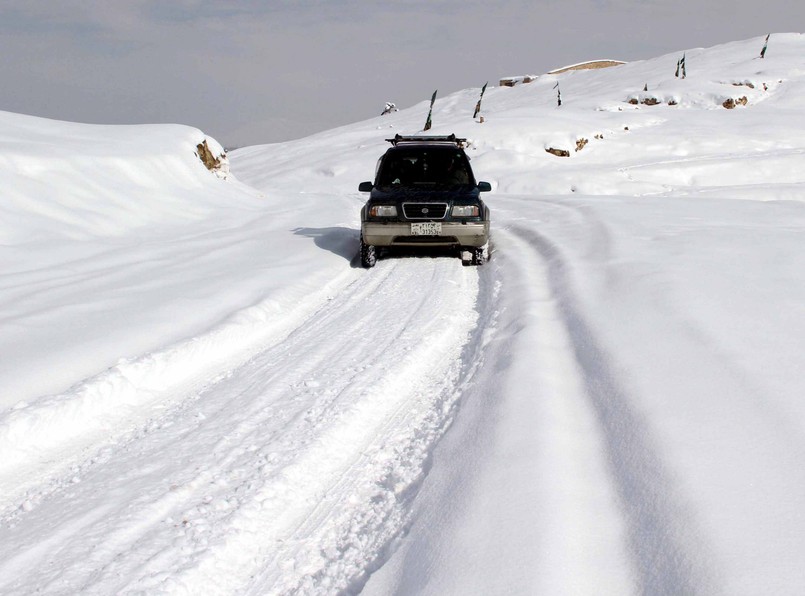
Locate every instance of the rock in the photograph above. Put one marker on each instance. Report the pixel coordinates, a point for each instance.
(731, 103)
(580, 143)
(558, 152)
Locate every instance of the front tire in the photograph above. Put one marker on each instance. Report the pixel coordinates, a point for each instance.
(368, 255)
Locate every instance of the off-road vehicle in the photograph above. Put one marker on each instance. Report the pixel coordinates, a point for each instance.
(425, 195)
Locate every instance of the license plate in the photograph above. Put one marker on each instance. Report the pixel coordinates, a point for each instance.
(426, 228)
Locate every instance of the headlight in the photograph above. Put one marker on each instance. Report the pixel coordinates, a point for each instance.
(383, 211)
(465, 211)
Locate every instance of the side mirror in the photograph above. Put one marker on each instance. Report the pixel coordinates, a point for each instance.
(484, 187)
(365, 187)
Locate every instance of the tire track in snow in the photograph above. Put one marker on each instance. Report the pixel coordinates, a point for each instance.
(521, 499)
(291, 473)
(49, 436)
(659, 523)
(325, 546)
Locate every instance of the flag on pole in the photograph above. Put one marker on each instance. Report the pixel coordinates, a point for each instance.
(428, 122)
(676, 74)
(478, 105)
(558, 94)
(682, 64)
(765, 46)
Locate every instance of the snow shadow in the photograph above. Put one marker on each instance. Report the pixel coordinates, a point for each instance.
(344, 242)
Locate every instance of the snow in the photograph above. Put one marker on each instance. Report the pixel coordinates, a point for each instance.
(202, 392)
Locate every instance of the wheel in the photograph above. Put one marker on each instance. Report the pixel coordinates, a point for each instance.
(478, 256)
(368, 255)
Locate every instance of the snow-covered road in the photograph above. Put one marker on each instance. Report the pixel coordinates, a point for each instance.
(579, 456)
(262, 478)
(605, 460)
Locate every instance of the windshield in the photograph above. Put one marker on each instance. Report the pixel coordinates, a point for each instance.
(418, 168)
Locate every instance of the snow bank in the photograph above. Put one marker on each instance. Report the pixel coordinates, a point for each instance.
(79, 182)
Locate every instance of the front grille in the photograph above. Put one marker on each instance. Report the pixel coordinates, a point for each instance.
(425, 240)
(424, 210)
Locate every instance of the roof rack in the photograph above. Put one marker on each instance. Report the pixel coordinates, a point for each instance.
(398, 138)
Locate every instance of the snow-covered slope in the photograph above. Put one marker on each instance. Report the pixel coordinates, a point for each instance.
(200, 392)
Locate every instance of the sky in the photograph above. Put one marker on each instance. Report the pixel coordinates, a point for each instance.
(250, 72)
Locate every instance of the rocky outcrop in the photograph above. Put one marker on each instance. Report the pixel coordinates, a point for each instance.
(218, 165)
(558, 152)
(591, 65)
(512, 81)
(730, 103)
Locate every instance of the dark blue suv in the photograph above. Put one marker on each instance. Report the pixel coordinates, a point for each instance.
(425, 195)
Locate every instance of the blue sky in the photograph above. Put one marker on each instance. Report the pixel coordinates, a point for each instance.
(250, 72)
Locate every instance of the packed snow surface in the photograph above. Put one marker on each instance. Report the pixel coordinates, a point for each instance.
(202, 393)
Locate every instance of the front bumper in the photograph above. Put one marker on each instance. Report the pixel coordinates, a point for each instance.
(474, 234)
